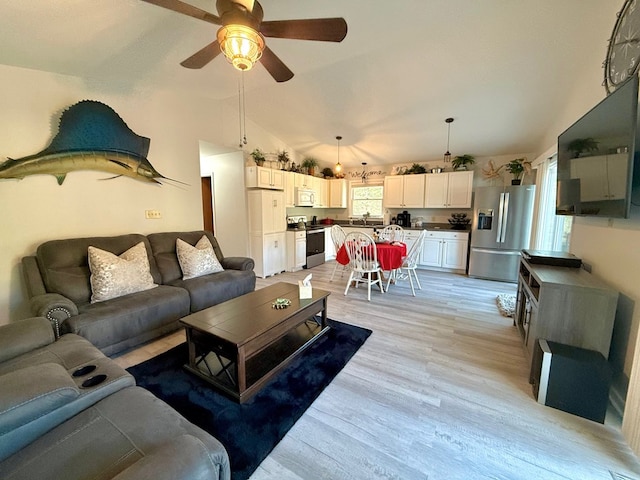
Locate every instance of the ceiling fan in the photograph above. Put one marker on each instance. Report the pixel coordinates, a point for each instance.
(242, 32)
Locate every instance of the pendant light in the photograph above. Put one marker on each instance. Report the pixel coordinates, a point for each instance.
(338, 165)
(447, 155)
(364, 172)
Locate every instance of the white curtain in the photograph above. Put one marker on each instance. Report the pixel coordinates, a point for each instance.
(553, 231)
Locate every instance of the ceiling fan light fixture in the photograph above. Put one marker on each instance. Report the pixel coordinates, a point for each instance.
(241, 45)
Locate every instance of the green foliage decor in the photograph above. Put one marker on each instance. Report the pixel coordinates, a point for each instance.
(258, 157)
(462, 161)
(416, 168)
(515, 167)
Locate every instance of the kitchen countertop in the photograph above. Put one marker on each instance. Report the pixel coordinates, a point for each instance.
(425, 226)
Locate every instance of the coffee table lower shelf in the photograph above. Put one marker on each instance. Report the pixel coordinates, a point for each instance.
(217, 362)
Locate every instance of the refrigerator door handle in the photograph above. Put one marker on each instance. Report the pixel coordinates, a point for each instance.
(505, 218)
(500, 213)
(495, 252)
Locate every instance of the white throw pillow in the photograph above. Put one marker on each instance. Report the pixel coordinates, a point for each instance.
(197, 261)
(113, 276)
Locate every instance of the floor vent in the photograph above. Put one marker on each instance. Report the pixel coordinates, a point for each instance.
(619, 476)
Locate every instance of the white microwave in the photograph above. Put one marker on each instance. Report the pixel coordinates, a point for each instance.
(305, 197)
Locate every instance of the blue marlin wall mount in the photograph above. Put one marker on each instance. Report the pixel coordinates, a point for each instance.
(91, 136)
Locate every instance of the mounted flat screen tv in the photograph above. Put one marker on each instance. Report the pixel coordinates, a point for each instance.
(596, 157)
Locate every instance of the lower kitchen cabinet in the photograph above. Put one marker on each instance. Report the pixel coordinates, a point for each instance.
(296, 250)
(445, 250)
(269, 253)
(329, 248)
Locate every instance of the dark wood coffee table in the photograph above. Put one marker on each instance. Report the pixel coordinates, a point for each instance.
(240, 344)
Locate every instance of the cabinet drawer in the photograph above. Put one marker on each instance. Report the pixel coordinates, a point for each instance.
(444, 235)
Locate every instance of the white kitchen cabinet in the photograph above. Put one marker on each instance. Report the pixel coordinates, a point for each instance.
(338, 193)
(296, 250)
(267, 226)
(411, 237)
(262, 177)
(445, 250)
(319, 185)
(289, 189)
(602, 177)
(329, 248)
(448, 190)
(267, 212)
(404, 191)
(269, 253)
(303, 181)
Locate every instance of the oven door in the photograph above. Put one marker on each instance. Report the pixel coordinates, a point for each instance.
(315, 247)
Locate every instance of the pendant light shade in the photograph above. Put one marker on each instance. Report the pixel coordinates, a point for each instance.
(447, 155)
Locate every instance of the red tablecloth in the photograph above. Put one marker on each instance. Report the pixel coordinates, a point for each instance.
(389, 256)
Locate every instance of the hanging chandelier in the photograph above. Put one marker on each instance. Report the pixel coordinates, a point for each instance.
(447, 155)
(338, 165)
(241, 45)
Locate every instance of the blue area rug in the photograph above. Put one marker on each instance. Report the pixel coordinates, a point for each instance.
(251, 430)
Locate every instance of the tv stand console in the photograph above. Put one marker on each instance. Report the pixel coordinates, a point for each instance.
(564, 305)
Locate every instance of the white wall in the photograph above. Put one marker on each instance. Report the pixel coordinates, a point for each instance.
(37, 209)
(229, 202)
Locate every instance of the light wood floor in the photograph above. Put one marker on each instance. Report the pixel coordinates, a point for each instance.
(439, 391)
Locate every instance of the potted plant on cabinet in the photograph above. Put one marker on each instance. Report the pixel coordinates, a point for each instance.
(283, 159)
(461, 161)
(310, 164)
(327, 172)
(516, 168)
(258, 157)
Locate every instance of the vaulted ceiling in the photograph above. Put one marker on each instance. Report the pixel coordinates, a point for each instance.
(498, 67)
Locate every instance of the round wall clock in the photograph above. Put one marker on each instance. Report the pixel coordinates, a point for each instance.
(623, 54)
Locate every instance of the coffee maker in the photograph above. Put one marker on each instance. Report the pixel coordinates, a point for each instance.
(404, 219)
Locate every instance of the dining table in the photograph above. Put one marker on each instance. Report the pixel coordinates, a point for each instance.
(390, 255)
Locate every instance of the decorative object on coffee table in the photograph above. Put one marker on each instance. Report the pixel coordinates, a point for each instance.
(281, 303)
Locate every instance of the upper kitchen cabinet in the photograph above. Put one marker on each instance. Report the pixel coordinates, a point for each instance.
(448, 190)
(337, 193)
(290, 189)
(267, 212)
(404, 191)
(303, 181)
(319, 185)
(262, 177)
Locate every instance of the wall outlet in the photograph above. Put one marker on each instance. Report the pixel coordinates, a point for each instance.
(152, 214)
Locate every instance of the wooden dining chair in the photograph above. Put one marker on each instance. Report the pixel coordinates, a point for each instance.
(392, 233)
(337, 236)
(410, 264)
(363, 262)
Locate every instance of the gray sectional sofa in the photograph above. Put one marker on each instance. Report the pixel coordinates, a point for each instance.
(58, 285)
(67, 411)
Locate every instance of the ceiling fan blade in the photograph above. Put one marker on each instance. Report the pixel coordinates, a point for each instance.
(278, 70)
(203, 56)
(320, 29)
(186, 9)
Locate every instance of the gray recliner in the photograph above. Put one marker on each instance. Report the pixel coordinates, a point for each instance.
(45, 382)
(67, 411)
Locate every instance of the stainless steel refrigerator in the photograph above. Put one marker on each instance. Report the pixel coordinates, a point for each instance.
(501, 227)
